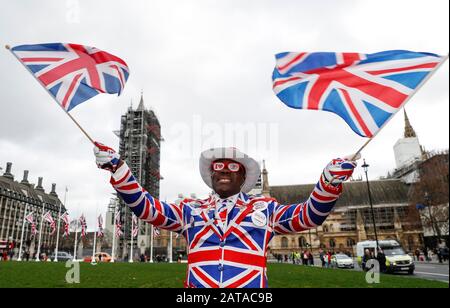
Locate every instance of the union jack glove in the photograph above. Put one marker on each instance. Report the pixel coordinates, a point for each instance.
(340, 170)
(105, 157)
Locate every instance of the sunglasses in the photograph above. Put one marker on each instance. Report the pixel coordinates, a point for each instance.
(230, 166)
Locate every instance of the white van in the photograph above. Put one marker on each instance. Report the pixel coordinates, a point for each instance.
(396, 258)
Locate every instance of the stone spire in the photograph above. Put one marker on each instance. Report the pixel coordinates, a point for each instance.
(265, 180)
(141, 106)
(409, 130)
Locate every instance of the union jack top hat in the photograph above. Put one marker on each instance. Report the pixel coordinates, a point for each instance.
(252, 168)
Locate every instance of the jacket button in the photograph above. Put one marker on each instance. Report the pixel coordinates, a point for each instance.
(222, 244)
(220, 268)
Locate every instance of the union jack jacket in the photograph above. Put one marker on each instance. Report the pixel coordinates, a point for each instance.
(232, 254)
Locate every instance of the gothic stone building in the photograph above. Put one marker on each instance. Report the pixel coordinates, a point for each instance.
(351, 220)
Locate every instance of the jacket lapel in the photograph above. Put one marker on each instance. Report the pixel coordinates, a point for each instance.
(242, 208)
(207, 214)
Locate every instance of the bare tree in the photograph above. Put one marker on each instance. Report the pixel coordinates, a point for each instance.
(431, 193)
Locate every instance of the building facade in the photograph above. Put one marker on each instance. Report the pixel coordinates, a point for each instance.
(17, 199)
(351, 219)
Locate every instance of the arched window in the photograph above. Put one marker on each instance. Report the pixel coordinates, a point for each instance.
(350, 242)
(284, 242)
(332, 243)
(325, 228)
(302, 242)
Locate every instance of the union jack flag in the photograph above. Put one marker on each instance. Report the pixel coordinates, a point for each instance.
(65, 217)
(118, 224)
(83, 225)
(73, 73)
(49, 218)
(100, 226)
(156, 232)
(30, 219)
(135, 226)
(366, 90)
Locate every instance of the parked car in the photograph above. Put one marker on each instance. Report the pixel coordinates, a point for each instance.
(99, 257)
(62, 256)
(341, 260)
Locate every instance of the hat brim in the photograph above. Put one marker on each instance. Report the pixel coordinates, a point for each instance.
(252, 167)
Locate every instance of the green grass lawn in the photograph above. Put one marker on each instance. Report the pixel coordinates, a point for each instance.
(138, 275)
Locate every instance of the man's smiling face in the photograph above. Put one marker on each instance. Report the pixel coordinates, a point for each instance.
(227, 183)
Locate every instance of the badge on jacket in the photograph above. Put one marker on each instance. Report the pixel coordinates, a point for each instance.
(259, 219)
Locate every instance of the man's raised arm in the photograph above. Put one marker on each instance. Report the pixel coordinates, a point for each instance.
(312, 213)
(144, 206)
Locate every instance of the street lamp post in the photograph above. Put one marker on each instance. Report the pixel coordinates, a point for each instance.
(366, 167)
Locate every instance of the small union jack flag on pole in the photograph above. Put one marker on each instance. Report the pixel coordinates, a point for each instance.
(100, 226)
(83, 225)
(156, 232)
(366, 90)
(30, 219)
(49, 218)
(73, 73)
(65, 217)
(118, 224)
(135, 226)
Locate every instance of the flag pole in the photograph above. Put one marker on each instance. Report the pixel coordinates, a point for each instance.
(40, 235)
(59, 226)
(151, 243)
(95, 237)
(170, 248)
(404, 103)
(130, 259)
(21, 236)
(70, 116)
(76, 239)
(113, 248)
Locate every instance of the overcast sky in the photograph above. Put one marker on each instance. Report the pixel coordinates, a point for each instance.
(205, 68)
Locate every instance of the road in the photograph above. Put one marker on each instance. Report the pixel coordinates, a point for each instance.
(433, 271)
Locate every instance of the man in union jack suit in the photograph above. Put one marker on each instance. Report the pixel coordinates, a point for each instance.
(228, 233)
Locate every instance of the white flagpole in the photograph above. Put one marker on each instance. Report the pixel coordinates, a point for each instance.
(151, 244)
(70, 116)
(170, 248)
(113, 255)
(59, 225)
(76, 239)
(404, 103)
(40, 234)
(130, 259)
(23, 228)
(93, 249)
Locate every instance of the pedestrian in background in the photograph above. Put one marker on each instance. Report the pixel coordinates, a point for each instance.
(381, 258)
(430, 255)
(311, 258)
